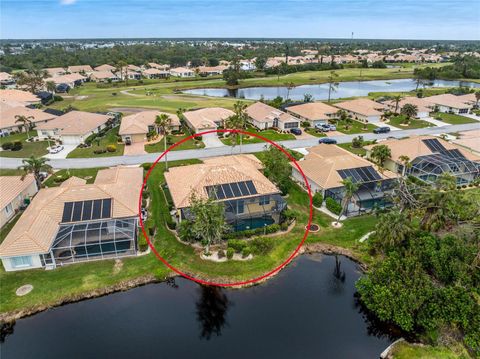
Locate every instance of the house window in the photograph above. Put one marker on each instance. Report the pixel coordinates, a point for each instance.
(8, 209)
(291, 125)
(19, 262)
(240, 207)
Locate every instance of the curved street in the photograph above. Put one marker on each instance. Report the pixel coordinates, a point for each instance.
(12, 163)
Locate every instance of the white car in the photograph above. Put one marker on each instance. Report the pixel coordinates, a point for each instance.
(55, 149)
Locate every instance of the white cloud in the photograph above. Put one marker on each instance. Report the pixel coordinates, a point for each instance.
(68, 2)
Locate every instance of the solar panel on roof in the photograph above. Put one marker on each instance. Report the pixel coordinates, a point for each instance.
(227, 190)
(235, 189)
(107, 208)
(243, 188)
(251, 187)
(97, 209)
(360, 174)
(220, 193)
(455, 153)
(434, 145)
(87, 210)
(67, 212)
(77, 211)
(231, 190)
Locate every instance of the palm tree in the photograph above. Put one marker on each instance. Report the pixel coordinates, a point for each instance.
(238, 121)
(34, 166)
(123, 69)
(397, 100)
(477, 98)
(392, 229)
(26, 122)
(289, 86)
(380, 153)
(409, 110)
(349, 191)
(51, 87)
(405, 160)
(163, 123)
(332, 83)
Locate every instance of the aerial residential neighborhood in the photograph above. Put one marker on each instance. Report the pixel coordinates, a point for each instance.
(177, 178)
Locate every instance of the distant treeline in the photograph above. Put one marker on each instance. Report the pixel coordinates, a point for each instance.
(465, 67)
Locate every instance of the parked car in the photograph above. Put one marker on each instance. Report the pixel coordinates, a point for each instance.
(296, 131)
(55, 149)
(328, 141)
(325, 127)
(383, 129)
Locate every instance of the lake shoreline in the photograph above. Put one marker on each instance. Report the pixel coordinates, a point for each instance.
(9, 318)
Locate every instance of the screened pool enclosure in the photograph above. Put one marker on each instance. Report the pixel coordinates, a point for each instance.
(88, 232)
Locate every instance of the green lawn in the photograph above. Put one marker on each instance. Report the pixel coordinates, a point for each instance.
(397, 121)
(110, 138)
(159, 147)
(407, 351)
(358, 151)
(10, 172)
(354, 127)
(451, 118)
(269, 134)
(89, 174)
(73, 280)
(8, 227)
(312, 131)
(37, 149)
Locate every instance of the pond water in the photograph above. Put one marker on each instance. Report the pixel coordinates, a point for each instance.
(308, 311)
(320, 92)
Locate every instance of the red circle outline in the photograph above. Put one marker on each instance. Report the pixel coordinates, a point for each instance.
(240, 283)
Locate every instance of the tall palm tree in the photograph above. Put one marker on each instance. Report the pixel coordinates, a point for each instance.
(51, 87)
(238, 121)
(26, 122)
(393, 229)
(122, 67)
(477, 98)
(349, 192)
(163, 123)
(396, 100)
(332, 83)
(289, 86)
(35, 166)
(409, 110)
(405, 161)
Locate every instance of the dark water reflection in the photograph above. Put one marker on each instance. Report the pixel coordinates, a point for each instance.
(308, 311)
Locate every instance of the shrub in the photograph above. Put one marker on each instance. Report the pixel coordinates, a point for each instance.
(142, 243)
(7, 146)
(147, 166)
(271, 228)
(100, 151)
(317, 199)
(236, 245)
(145, 194)
(333, 206)
(144, 203)
(306, 124)
(246, 252)
(357, 142)
(221, 254)
(284, 226)
(198, 138)
(230, 253)
(57, 98)
(261, 245)
(17, 146)
(151, 229)
(171, 224)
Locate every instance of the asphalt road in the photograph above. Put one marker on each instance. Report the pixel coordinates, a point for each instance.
(227, 150)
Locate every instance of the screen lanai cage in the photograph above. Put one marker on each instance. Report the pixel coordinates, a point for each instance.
(88, 232)
(244, 207)
(429, 167)
(374, 192)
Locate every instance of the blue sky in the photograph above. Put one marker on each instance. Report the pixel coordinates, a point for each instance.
(394, 19)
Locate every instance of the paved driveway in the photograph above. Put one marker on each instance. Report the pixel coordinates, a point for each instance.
(63, 153)
(211, 140)
(137, 148)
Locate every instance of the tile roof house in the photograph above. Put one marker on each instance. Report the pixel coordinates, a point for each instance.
(103, 76)
(430, 157)
(315, 113)
(424, 107)
(77, 222)
(251, 200)
(154, 73)
(206, 118)
(6, 79)
(362, 109)
(13, 193)
(182, 72)
(105, 67)
(134, 128)
(18, 97)
(469, 140)
(72, 80)
(211, 70)
(56, 71)
(80, 68)
(450, 103)
(263, 116)
(8, 118)
(326, 166)
(73, 127)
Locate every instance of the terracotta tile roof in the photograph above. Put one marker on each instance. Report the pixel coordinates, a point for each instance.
(24, 97)
(7, 116)
(105, 67)
(80, 68)
(75, 123)
(313, 111)
(469, 139)
(55, 71)
(11, 187)
(362, 106)
(154, 71)
(262, 112)
(468, 98)
(36, 229)
(205, 118)
(68, 78)
(422, 104)
(180, 70)
(101, 75)
(323, 161)
(5, 76)
(414, 147)
(448, 100)
(184, 180)
(138, 123)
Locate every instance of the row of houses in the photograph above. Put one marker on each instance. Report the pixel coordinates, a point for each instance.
(77, 222)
